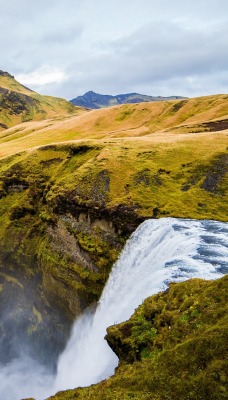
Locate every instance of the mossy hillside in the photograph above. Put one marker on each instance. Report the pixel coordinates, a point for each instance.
(20, 104)
(119, 182)
(66, 211)
(173, 347)
(163, 321)
(181, 179)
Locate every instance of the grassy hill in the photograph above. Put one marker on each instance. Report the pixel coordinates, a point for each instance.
(154, 158)
(73, 187)
(20, 104)
(157, 121)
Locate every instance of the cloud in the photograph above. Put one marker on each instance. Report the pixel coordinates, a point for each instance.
(117, 46)
(42, 76)
(61, 37)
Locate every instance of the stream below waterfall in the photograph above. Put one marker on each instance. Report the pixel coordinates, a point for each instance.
(159, 251)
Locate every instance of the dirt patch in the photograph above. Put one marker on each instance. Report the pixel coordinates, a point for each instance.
(216, 125)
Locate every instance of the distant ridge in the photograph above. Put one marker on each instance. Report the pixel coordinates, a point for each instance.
(95, 100)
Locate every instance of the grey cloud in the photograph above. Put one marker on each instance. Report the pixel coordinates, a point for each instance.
(171, 47)
(59, 37)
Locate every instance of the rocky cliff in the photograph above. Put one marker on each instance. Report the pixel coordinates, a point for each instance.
(57, 246)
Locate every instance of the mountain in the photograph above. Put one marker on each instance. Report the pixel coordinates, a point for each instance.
(20, 104)
(96, 100)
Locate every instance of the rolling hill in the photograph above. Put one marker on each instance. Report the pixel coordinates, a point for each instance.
(152, 122)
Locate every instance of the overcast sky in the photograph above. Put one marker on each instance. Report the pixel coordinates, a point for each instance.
(156, 47)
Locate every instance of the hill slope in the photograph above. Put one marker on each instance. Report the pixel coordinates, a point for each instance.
(96, 100)
(20, 104)
(72, 189)
(67, 209)
(157, 121)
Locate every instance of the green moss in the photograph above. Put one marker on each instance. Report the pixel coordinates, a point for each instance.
(163, 354)
(126, 112)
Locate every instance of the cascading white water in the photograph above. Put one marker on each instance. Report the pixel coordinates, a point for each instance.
(158, 252)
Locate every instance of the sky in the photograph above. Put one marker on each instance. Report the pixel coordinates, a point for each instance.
(65, 48)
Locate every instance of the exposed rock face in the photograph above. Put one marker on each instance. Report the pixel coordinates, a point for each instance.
(50, 272)
(17, 103)
(55, 256)
(4, 73)
(49, 276)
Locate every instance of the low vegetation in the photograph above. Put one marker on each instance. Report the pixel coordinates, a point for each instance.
(73, 188)
(173, 347)
(164, 122)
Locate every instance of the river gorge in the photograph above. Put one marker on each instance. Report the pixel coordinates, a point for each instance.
(158, 252)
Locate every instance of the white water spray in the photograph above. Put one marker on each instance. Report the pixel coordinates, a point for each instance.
(158, 252)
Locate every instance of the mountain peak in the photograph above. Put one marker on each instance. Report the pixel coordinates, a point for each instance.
(4, 73)
(90, 92)
(95, 100)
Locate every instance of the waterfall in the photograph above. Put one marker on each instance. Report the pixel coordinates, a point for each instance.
(160, 251)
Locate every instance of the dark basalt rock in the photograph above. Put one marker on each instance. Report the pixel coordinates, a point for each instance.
(4, 126)
(17, 103)
(215, 174)
(123, 218)
(4, 73)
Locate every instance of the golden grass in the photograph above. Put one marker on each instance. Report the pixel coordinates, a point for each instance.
(158, 120)
(148, 168)
(7, 82)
